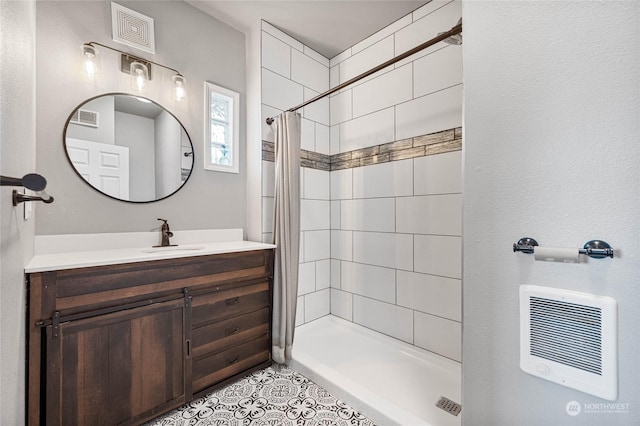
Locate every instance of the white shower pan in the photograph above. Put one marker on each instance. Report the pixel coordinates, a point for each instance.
(389, 381)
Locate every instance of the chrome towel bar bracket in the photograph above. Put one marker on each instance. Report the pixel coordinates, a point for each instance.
(595, 249)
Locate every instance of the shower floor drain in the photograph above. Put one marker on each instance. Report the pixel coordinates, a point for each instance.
(449, 406)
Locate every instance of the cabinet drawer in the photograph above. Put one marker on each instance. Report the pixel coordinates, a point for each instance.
(219, 335)
(226, 303)
(211, 369)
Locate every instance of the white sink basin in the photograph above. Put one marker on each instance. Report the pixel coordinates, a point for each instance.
(170, 249)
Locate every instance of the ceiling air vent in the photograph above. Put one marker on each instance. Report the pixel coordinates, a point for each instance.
(570, 338)
(85, 118)
(132, 28)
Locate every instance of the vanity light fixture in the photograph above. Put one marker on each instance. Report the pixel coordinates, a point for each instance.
(139, 75)
(179, 89)
(140, 69)
(91, 65)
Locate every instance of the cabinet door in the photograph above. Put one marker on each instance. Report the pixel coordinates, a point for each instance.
(118, 368)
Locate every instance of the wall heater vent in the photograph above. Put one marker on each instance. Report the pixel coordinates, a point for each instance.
(85, 118)
(570, 338)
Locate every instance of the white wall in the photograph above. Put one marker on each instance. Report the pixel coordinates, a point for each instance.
(292, 73)
(200, 47)
(396, 226)
(168, 155)
(17, 158)
(254, 131)
(137, 133)
(552, 119)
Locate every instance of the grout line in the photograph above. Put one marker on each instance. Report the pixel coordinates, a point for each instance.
(277, 73)
(398, 269)
(413, 80)
(429, 94)
(413, 325)
(399, 306)
(413, 254)
(395, 283)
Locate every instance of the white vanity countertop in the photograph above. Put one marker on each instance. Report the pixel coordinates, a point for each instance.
(61, 252)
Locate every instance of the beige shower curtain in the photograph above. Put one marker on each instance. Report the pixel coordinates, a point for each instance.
(286, 232)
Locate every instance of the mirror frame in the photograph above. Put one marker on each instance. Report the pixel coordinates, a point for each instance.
(64, 146)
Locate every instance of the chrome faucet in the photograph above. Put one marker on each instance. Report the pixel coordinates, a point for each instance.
(166, 234)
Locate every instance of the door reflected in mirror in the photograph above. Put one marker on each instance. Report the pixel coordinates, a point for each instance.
(128, 147)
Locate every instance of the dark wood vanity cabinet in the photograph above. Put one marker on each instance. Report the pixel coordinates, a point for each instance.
(121, 344)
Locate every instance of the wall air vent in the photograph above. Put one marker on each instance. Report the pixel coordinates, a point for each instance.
(570, 338)
(132, 28)
(85, 117)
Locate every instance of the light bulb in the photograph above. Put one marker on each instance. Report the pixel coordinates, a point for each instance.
(179, 90)
(139, 80)
(90, 65)
(139, 76)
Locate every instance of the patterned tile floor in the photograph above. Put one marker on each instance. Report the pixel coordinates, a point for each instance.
(275, 396)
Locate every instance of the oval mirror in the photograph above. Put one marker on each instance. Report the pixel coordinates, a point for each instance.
(128, 147)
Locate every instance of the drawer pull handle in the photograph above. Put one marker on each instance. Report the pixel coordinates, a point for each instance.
(230, 332)
(233, 361)
(232, 301)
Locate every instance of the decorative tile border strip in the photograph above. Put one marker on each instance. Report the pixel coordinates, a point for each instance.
(309, 159)
(419, 146)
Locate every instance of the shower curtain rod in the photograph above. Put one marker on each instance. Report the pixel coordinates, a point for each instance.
(457, 29)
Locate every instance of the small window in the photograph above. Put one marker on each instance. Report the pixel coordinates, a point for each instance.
(221, 129)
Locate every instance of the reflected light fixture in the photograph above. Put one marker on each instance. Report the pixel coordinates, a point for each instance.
(138, 68)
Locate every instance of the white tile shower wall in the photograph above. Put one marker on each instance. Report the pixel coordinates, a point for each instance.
(432, 174)
(342, 304)
(369, 130)
(396, 226)
(276, 55)
(314, 215)
(390, 256)
(412, 90)
(431, 113)
(375, 214)
(309, 72)
(322, 139)
(369, 281)
(385, 91)
(366, 59)
(317, 304)
(426, 27)
(394, 179)
(386, 318)
(438, 335)
(317, 111)
(291, 73)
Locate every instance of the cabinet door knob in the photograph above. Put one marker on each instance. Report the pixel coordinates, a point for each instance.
(230, 331)
(233, 361)
(232, 301)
